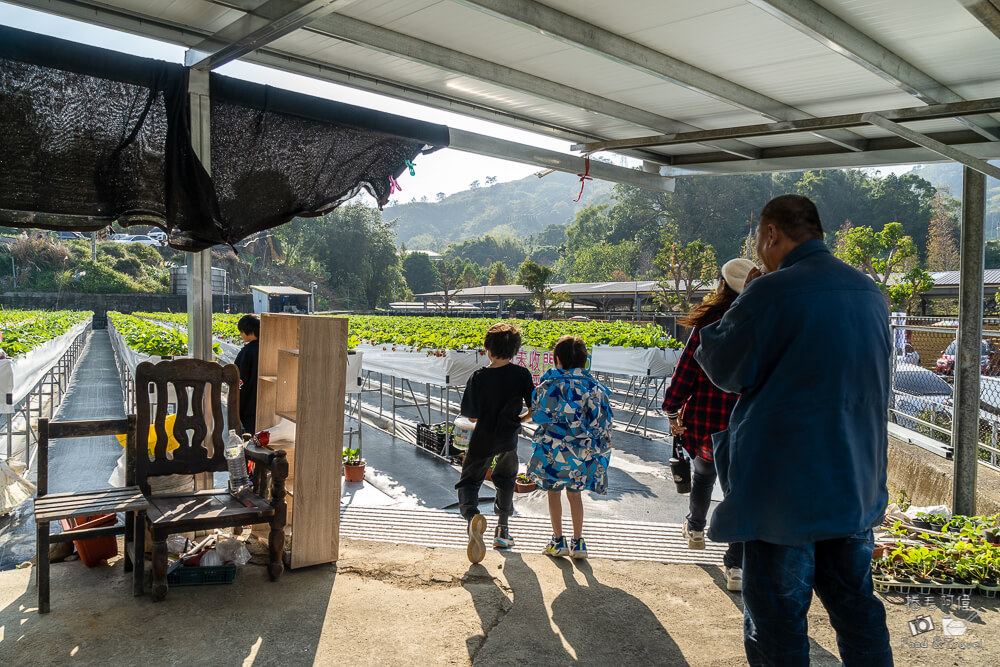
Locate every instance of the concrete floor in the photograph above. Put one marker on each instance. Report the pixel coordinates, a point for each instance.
(399, 604)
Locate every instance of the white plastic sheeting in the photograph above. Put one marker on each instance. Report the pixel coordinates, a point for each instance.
(14, 489)
(451, 370)
(355, 364)
(19, 376)
(633, 361)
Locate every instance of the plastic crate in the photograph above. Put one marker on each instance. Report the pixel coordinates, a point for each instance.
(430, 439)
(198, 576)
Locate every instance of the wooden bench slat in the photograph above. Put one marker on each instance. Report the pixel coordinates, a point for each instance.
(59, 498)
(87, 428)
(70, 535)
(66, 504)
(90, 510)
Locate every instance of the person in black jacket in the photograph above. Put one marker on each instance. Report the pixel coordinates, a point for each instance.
(246, 361)
(494, 398)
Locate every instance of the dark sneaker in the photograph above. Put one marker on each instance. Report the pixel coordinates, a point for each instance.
(477, 547)
(502, 538)
(578, 549)
(556, 547)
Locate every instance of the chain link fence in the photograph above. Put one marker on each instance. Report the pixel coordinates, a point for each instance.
(923, 378)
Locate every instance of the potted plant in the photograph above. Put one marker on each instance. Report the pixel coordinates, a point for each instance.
(354, 465)
(987, 561)
(524, 484)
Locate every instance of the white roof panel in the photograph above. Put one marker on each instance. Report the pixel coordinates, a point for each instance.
(735, 41)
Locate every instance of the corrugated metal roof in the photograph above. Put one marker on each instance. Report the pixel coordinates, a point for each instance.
(734, 62)
(276, 290)
(991, 277)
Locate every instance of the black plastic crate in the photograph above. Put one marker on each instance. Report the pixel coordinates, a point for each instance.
(197, 576)
(431, 439)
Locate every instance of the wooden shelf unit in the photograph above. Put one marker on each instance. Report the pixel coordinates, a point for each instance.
(312, 397)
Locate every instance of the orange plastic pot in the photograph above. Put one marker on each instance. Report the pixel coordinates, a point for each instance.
(95, 549)
(354, 473)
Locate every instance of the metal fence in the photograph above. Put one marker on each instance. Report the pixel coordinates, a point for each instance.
(923, 377)
(19, 426)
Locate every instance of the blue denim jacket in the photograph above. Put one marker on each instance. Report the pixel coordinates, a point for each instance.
(808, 349)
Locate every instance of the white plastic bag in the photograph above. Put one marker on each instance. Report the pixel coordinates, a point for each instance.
(231, 550)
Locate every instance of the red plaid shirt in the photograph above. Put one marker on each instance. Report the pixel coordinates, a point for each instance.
(704, 408)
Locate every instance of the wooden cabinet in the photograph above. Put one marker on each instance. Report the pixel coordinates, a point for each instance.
(301, 378)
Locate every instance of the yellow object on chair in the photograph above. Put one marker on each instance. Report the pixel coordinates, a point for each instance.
(172, 443)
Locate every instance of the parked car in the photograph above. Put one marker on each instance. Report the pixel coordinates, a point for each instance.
(140, 238)
(946, 363)
(158, 235)
(69, 236)
(916, 390)
(921, 393)
(119, 237)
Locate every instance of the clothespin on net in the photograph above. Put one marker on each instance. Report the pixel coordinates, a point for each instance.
(411, 167)
(584, 177)
(394, 185)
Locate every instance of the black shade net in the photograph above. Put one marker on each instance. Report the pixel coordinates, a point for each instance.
(91, 136)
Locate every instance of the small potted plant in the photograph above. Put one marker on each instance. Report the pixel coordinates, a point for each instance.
(354, 465)
(524, 484)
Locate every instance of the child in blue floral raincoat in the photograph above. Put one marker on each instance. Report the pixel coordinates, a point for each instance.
(572, 444)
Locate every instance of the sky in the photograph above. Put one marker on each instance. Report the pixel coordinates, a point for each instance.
(446, 170)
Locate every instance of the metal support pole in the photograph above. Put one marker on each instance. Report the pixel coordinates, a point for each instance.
(199, 275)
(965, 428)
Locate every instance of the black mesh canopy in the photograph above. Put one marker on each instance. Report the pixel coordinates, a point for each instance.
(91, 136)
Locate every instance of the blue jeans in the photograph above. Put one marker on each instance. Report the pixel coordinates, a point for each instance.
(778, 584)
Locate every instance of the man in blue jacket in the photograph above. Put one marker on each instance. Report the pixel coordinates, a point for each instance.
(803, 464)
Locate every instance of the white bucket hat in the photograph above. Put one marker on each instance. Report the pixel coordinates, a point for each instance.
(735, 272)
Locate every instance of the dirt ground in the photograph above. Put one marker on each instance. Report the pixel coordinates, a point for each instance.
(414, 605)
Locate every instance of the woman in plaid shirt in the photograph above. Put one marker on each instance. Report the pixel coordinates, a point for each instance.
(697, 408)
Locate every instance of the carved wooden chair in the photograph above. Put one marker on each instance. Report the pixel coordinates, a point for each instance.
(201, 451)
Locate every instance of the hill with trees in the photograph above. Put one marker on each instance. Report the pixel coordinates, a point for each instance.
(515, 209)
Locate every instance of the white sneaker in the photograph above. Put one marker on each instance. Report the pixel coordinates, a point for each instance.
(695, 538)
(734, 579)
(477, 547)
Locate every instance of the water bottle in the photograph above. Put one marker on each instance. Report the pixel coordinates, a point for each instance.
(238, 476)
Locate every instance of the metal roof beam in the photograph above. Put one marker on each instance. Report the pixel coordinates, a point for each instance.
(589, 37)
(836, 34)
(250, 32)
(480, 144)
(890, 156)
(404, 46)
(934, 112)
(987, 11)
(952, 152)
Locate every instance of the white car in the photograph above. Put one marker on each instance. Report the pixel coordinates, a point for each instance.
(140, 238)
(923, 394)
(158, 235)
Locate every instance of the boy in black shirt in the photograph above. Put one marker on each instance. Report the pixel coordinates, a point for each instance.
(494, 398)
(246, 361)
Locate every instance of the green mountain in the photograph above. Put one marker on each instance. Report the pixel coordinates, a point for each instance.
(516, 208)
(949, 175)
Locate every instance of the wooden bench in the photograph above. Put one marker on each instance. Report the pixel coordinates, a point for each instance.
(58, 506)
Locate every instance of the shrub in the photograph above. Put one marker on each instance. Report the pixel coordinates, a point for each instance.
(130, 266)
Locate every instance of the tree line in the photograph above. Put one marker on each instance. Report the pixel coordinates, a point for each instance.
(892, 227)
